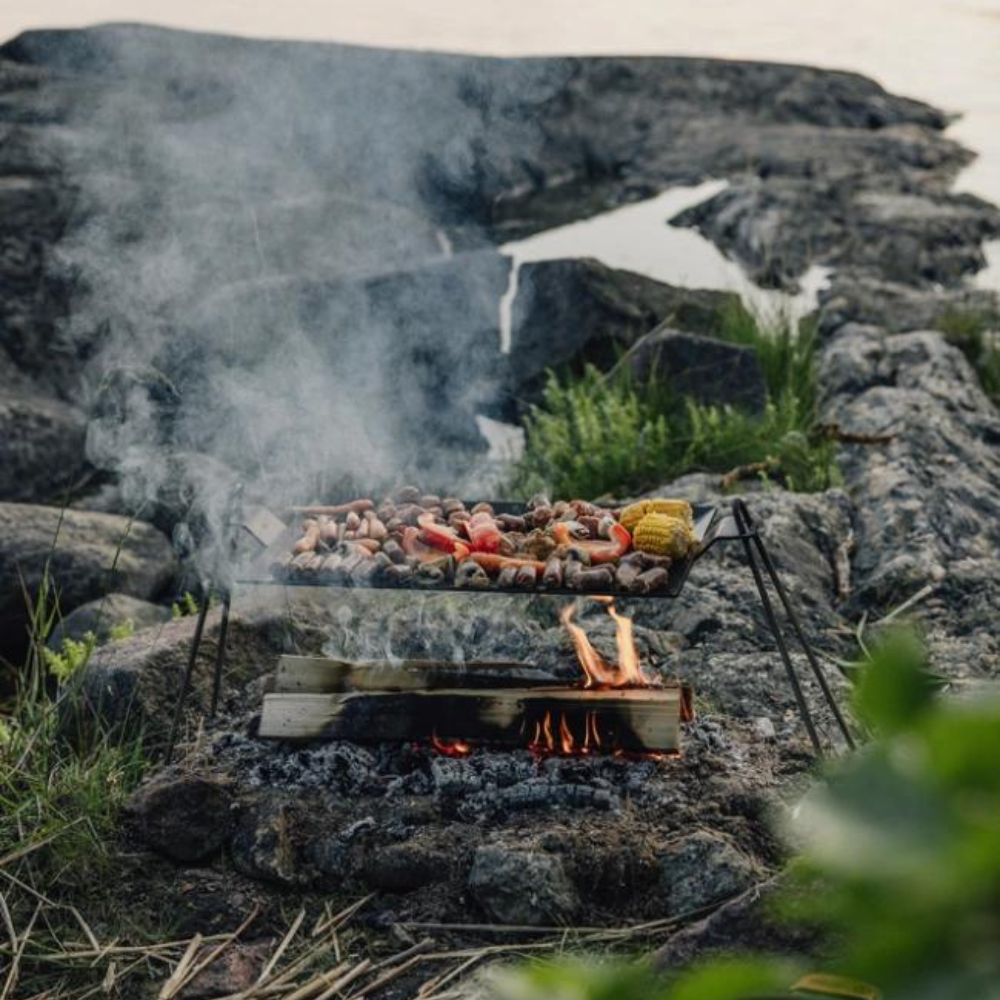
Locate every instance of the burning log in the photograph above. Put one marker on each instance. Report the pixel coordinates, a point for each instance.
(324, 675)
(548, 720)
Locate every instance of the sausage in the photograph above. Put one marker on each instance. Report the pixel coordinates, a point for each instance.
(652, 579)
(334, 510)
(527, 576)
(553, 575)
(507, 576)
(310, 538)
(598, 578)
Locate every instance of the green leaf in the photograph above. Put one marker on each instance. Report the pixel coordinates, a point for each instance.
(897, 686)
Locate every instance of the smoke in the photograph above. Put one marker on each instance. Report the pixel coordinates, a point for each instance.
(261, 258)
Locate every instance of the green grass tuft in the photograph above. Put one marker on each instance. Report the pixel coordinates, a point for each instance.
(977, 335)
(598, 434)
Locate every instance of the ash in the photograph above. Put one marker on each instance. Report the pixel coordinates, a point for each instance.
(482, 786)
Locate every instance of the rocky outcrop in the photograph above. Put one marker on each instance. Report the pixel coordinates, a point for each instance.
(84, 555)
(41, 446)
(711, 371)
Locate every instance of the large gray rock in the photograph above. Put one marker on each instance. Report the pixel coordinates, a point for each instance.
(41, 446)
(136, 681)
(708, 370)
(702, 869)
(87, 555)
(522, 886)
(102, 615)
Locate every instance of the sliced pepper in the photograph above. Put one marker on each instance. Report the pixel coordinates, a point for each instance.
(440, 536)
(493, 563)
(604, 552)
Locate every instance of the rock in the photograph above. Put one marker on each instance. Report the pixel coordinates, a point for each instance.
(233, 972)
(577, 312)
(856, 297)
(702, 869)
(41, 447)
(777, 226)
(136, 681)
(522, 887)
(264, 845)
(405, 867)
(927, 501)
(708, 370)
(87, 554)
(102, 615)
(188, 818)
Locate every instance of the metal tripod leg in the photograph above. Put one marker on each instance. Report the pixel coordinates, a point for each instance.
(814, 664)
(204, 593)
(793, 679)
(220, 653)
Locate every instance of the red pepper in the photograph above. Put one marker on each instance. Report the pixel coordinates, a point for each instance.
(438, 535)
(483, 533)
(605, 552)
(413, 546)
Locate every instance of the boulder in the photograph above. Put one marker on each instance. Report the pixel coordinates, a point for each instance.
(87, 555)
(703, 368)
(41, 446)
(100, 616)
(701, 869)
(135, 681)
(186, 817)
(569, 313)
(522, 886)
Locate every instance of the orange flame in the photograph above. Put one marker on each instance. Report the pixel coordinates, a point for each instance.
(597, 672)
(451, 748)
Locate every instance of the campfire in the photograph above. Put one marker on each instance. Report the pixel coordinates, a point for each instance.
(614, 708)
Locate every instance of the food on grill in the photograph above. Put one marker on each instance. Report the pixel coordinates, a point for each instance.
(411, 538)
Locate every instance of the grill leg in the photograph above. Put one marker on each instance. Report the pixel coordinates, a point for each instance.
(739, 511)
(220, 653)
(814, 664)
(199, 628)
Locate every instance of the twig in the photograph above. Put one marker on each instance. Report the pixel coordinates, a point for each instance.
(338, 920)
(176, 978)
(431, 986)
(14, 972)
(276, 957)
(345, 980)
(834, 432)
(748, 471)
(923, 592)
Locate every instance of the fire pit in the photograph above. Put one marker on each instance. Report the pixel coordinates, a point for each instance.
(615, 708)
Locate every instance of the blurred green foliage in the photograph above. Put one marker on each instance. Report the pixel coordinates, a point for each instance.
(597, 434)
(899, 863)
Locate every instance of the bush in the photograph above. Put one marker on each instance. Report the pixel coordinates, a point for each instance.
(598, 434)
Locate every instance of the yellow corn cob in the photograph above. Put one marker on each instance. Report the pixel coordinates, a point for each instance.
(673, 508)
(635, 512)
(663, 535)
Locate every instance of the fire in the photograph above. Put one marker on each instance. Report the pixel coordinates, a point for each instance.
(565, 735)
(627, 672)
(451, 748)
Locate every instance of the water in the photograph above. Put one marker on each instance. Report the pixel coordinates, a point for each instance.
(639, 238)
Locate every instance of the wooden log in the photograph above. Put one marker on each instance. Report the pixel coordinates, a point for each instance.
(635, 720)
(326, 675)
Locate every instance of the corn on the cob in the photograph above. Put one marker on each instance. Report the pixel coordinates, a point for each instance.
(663, 535)
(635, 512)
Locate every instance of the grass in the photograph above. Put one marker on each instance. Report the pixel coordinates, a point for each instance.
(975, 334)
(61, 794)
(598, 434)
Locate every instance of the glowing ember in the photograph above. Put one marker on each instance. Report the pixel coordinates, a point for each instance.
(597, 672)
(451, 748)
